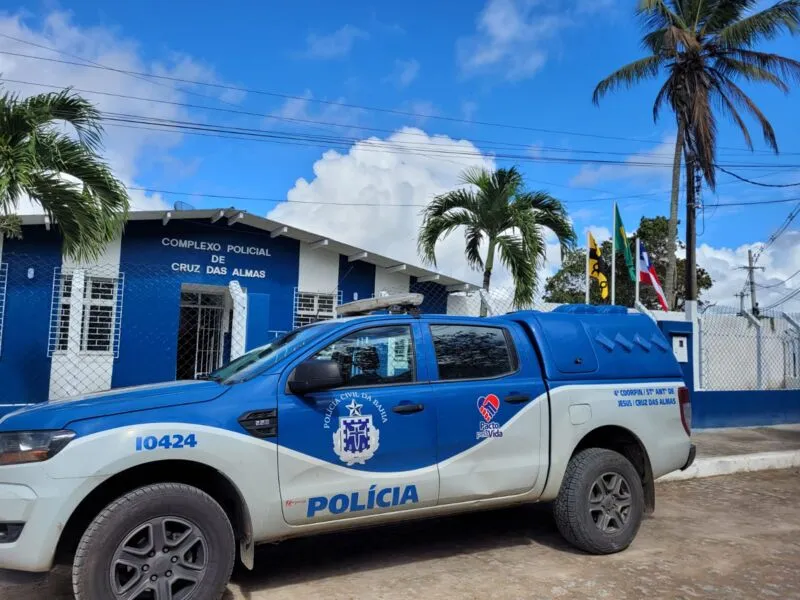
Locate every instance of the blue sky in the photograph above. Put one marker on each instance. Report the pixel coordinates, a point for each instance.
(521, 62)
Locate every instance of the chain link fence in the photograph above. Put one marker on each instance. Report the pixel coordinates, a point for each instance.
(741, 352)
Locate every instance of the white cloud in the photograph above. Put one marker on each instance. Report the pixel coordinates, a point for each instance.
(781, 260)
(334, 45)
(511, 37)
(405, 71)
(126, 150)
(643, 173)
(600, 233)
(386, 180)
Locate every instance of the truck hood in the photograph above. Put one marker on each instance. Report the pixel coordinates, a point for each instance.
(56, 414)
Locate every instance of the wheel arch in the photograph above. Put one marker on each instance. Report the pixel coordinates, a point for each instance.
(625, 442)
(205, 478)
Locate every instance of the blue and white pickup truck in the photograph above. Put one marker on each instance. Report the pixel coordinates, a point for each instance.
(353, 422)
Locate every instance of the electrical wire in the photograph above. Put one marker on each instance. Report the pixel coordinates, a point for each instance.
(769, 185)
(784, 282)
(150, 76)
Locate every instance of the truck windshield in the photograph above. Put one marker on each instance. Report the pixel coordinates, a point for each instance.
(267, 355)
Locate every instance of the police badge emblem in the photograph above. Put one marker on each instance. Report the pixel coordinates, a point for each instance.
(356, 440)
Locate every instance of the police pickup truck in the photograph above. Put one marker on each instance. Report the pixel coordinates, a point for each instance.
(353, 422)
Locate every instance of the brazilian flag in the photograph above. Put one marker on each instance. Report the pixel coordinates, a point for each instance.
(621, 242)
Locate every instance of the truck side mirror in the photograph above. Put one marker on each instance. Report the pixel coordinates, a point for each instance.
(315, 376)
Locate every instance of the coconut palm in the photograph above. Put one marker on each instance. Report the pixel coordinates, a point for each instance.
(65, 175)
(494, 209)
(704, 47)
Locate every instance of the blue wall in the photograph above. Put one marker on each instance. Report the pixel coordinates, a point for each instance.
(734, 408)
(435, 301)
(24, 364)
(153, 278)
(356, 277)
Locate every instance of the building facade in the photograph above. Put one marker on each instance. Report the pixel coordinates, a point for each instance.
(177, 295)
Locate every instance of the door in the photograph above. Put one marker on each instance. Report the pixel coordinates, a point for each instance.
(368, 447)
(200, 339)
(488, 392)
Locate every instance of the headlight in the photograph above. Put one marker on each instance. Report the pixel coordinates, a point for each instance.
(18, 447)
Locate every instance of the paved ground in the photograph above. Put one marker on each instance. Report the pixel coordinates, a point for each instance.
(724, 537)
(746, 440)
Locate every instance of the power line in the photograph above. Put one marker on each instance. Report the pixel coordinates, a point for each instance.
(784, 282)
(149, 76)
(769, 185)
(784, 300)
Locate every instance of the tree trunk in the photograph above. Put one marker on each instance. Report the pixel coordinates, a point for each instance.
(672, 231)
(487, 276)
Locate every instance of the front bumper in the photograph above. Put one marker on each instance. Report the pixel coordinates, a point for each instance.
(28, 496)
(690, 459)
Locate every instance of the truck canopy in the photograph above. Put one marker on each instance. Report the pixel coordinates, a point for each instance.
(600, 346)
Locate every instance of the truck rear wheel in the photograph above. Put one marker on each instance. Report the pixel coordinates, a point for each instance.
(162, 541)
(600, 506)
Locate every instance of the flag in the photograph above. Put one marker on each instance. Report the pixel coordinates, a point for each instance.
(595, 263)
(621, 242)
(647, 275)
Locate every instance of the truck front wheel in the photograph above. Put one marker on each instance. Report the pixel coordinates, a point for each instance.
(600, 506)
(162, 541)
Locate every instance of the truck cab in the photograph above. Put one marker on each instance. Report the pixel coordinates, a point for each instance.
(347, 423)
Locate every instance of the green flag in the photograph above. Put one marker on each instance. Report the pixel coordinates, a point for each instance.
(621, 242)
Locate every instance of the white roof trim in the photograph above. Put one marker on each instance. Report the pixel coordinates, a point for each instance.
(271, 226)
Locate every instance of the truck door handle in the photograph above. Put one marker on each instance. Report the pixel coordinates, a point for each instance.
(518, 398)
(407, 409)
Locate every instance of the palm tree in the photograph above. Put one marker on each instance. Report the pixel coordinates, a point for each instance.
(495, 208)
(703, 48)
(64, 175)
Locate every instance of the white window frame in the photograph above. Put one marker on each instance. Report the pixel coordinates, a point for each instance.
(304, 315)
(3, 288)
(61, 312)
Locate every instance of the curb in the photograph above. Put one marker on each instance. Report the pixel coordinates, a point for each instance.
(737, 463)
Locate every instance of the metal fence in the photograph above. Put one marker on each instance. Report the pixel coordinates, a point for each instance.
(739, 351)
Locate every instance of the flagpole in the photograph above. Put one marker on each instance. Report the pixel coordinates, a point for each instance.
(638, 252)
(614, 256)
(588, 281)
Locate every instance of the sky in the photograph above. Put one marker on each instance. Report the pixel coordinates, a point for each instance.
(491, 83)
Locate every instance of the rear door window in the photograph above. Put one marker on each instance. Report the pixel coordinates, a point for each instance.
(472, 352)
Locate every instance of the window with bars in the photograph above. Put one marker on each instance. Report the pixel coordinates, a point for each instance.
(102, 305)
(310, 307)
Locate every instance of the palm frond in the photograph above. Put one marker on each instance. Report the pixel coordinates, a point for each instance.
(523, 260)
(438, 227)
(56, 152)
(764, 25)
(550, 213)
(741, 99)
(730, 68)
(473, 236)
(664, 95)
(724, 13)
(456, 199)
(657, 15)
(66, 106)
(86, 225)
(634, 72)
(10, 226)
(779, 66)
(729, 108)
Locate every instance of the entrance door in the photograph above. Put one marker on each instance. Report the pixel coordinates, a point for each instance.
(368, 447)
(200, 337)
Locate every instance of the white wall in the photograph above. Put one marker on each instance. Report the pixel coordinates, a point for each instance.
(729, 353)
(72, 371)
(319, 270)
(391, 283)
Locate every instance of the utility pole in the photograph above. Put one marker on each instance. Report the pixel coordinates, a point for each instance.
(691, 230)
(751, 269)
(741, 296)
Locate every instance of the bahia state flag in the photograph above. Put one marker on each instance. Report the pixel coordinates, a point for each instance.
(647, 275)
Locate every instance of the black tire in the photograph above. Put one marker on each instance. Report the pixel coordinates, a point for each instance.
(99, 548)
(580, 520)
